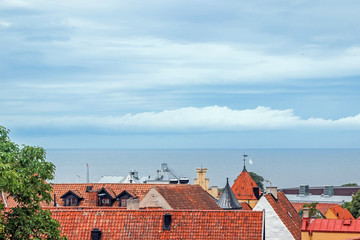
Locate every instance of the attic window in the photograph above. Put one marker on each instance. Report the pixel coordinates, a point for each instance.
(123, 197)
(71, 201)
(71, 198)
(289, 214)
(105, 198)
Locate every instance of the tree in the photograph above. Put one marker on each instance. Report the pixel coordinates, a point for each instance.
(258, 180)
(313, 212)
(354, 205)
(349, 185)
(23, 176)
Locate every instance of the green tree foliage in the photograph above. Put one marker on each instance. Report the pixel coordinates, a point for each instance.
(23, 175)
(313, 212)
(354, 205)
(349, 185)
(258, 180)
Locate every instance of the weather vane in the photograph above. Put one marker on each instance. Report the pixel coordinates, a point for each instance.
(245, 156)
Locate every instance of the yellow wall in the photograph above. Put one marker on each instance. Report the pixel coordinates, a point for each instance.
(330, 215)
(328, 236)
(252, 203)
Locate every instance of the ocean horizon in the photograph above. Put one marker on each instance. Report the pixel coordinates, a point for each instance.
(282, 167)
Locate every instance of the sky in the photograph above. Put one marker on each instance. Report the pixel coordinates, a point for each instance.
(181, 74)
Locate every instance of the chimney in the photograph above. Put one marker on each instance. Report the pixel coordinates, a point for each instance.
(306, 212)
(95, 234)
(256, 191)
(272, 190)
(167, 221)
(55, 204)
(132, 204)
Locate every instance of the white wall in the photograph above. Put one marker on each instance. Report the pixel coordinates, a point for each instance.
(275, 229)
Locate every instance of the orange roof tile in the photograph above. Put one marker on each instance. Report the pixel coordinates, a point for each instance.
(188, 197)
(245, 206)
(341, 213)
(287, 213)
(90, 198)
(148, 224)
(243, 187)
(330, 225)
(321, 207)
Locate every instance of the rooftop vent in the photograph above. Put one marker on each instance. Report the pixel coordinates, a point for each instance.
(174, 181)
(304, 190)
(329, 191)
(95, 234)
(88, 188)
(167, 221)
(184, 180)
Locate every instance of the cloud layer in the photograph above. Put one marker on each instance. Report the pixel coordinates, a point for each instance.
(190, 119)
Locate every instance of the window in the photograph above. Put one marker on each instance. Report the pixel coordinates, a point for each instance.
(104, 202)
(71, 201)
(123, 202)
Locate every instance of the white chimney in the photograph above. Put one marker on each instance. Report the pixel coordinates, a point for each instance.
(272, 190)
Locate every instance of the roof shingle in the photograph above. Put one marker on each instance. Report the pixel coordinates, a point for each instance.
(185, 224)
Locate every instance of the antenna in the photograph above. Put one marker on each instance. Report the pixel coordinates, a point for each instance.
(87, 172)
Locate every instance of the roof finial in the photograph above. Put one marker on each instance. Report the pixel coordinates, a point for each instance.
(245, 156)
(227, 181)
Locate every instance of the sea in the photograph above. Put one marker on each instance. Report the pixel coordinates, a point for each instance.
(280, 167)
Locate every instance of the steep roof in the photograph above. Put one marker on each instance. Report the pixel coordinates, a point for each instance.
(321, 207)
(114, 189)
(286, 213)
(243, 187)
(185, 224)
(187, 197)
(227, 199)
(331, 225)
(340, 212)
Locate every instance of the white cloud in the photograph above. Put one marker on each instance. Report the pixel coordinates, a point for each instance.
(5, 24)
(191, 119)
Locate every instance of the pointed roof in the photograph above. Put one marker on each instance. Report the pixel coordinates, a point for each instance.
(243, 186)
(286, 213)
(227, 199)
(340, 212)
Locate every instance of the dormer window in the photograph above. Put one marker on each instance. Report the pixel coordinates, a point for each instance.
(71, 198)
(123, 197)
(106, 197)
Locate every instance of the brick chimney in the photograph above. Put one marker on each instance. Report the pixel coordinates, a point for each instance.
(132, 204)
(272, 190)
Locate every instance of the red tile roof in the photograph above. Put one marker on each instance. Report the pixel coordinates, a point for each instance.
(177, 195)
(341, 213)
(243, 187)
(322, 207)
(286, 213)
(331, 225)
(185, 224)
(245, 206)
(187, 197)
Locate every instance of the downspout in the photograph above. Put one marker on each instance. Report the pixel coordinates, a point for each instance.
(3, 197)
(263, 226)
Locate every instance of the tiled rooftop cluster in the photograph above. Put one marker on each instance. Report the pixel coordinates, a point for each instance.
(148, 224)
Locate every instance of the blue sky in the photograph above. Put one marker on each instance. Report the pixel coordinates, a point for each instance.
(177, 74)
